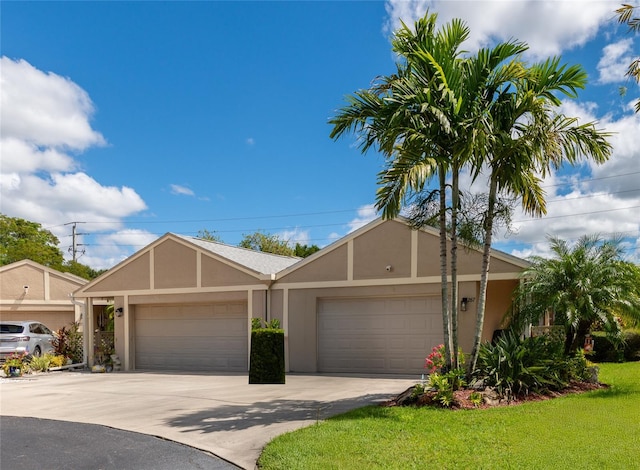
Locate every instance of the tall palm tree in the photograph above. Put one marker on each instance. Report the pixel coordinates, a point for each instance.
(581, 284)
(411, 118)
(525, 140)
(422, 119)
(625, 15)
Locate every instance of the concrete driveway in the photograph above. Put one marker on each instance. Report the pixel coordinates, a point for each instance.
(221, 414)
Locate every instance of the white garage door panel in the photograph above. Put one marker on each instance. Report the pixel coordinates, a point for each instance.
(192, 337)
(378, 335)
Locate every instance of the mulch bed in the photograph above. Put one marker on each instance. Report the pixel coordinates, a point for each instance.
(463, 402)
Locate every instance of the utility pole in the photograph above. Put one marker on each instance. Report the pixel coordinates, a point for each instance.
(73, 249)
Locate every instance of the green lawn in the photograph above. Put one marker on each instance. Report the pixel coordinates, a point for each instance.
(599, 429)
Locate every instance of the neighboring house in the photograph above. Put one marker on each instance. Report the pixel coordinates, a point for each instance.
(31, 291)
(367, 303)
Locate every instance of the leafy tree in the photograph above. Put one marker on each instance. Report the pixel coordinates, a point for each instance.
(21, 239)
(582, 284)
(267, 243)
(81, 270)
(210, 236)
(625, 16)
(302, 251)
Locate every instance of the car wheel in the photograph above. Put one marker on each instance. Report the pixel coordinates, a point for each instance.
(37, 352)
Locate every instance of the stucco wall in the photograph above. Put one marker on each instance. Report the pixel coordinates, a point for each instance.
(386, 245)
(134, 275)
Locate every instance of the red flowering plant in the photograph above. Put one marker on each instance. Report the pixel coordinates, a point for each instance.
(435, 361)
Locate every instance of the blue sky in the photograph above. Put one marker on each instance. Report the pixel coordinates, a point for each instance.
(141, 118)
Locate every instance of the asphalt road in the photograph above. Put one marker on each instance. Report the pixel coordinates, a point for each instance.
(36, 444)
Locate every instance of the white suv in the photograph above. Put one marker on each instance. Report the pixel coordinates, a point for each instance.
(24, 337)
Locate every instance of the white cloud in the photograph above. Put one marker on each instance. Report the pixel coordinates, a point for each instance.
(45, 109)
(295, 236)
(107, 250)
(614, 62)
(366, 214)
(45, 122)
(181, 190)
(549, 27)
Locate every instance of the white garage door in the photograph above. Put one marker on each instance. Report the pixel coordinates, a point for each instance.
(210, 337)
(377, 335)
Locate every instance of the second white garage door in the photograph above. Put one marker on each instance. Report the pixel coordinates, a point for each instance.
(211, 337)
(377, 335)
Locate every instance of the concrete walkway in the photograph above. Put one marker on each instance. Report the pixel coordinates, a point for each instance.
(221, 414)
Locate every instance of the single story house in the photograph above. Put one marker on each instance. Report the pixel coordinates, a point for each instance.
(31, 291)
(368, 303)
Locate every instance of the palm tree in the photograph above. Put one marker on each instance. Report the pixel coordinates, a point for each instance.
(410, 117)
(526, 139)
(625, 15)
(422, 120)
(583, 284)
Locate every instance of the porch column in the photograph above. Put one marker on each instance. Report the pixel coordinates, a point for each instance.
(127, 334)
(88, 334)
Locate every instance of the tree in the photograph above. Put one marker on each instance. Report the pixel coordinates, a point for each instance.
(302, 251)
(81, 270)
(424, 119)
(205, 234)
(21, 239)
(267, 243)
(582, 284)
(525, 139)
(625, 16)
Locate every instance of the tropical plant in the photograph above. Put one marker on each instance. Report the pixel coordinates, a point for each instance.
(625, 16)
(444, 384)
(525, 138)
(516, 366)
(421, 119)
(68, 343)
(583, 284)
(40, 364)
(17, 361)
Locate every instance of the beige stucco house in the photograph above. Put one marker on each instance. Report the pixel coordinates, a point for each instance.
(31, 291)
(368, 303)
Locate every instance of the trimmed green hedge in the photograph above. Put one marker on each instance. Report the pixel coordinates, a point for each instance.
(267, 356)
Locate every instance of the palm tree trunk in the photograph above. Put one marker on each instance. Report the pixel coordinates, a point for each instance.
(484, 275)
(455, 197)
(446, 320)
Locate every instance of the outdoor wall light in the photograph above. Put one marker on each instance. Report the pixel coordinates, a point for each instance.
(465, 302)
(119, 312)
(26, 290)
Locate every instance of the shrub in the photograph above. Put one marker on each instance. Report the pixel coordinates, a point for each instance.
(68, 343)
(445, 384)
(58, 361)
(267, 356)
(632, 345)
(40, 364)
(516, 366)
(16, 360)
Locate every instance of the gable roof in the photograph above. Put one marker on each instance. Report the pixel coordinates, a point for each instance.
(260, 262)
(497, 254)
(41, 267)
